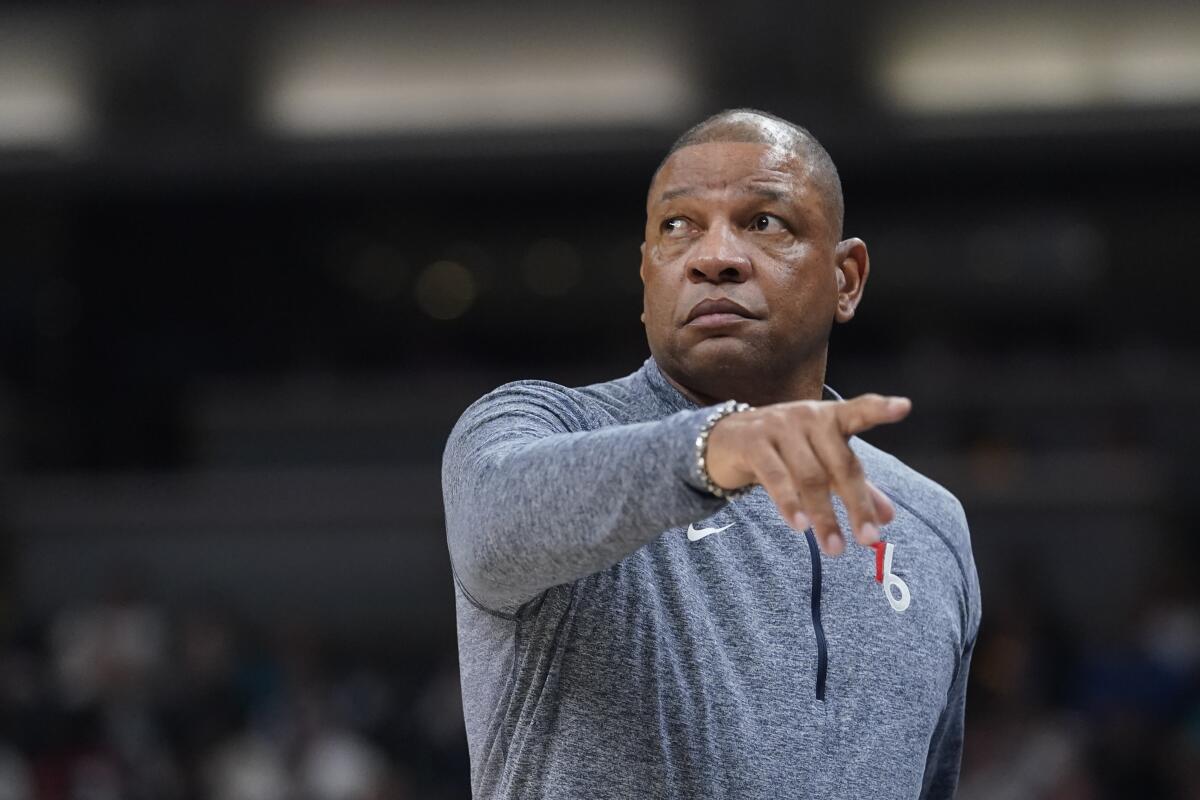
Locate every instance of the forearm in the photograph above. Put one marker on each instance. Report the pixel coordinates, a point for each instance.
(529, 511)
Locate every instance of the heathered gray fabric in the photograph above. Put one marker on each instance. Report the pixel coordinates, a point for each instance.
(603, 655)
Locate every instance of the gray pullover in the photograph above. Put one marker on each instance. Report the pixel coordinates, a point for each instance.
(607, 653)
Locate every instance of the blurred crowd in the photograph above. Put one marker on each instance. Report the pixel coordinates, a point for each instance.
(122, 700)
(1054, 715)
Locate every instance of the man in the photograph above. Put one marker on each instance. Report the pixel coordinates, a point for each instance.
(656, 596)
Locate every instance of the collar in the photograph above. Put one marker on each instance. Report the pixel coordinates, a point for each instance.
(674, 400)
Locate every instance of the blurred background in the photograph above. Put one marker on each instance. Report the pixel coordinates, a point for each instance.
(255, 258)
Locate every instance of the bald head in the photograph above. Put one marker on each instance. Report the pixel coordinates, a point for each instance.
(758, 127)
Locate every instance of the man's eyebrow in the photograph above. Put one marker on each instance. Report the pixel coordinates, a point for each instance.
(776, 195)
(671, 194)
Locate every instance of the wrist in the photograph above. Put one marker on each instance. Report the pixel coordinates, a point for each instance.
(702, 467)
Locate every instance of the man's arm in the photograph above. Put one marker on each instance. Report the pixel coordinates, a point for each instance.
(946, 744)
(533, 501)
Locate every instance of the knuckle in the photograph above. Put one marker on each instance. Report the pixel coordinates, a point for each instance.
(758, 430)
(855, 507)
(813, 481)
(839, 457)
(772, 474)
(863, 504)
(845, 415)
(850, 466)
(804, 410)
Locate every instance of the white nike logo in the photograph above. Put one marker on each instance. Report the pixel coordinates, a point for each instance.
(696, 534)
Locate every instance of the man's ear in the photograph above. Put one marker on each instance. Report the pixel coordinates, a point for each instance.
(853, 266)
(642, 275)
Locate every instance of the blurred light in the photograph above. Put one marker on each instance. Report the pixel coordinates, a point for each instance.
(946, 59)
(1160, 63)
(42, 93)
(371, 71)
(551, 267)
(445, 290)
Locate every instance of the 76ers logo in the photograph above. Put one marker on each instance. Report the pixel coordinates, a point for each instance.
(891, 582)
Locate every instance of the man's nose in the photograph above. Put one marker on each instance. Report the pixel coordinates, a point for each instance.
(718, 259)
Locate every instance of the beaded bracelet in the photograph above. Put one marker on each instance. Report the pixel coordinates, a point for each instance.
(716, 415)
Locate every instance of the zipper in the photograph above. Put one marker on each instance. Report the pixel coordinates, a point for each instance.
(818, 628)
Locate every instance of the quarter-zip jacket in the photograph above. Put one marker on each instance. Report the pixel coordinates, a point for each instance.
(605, 655)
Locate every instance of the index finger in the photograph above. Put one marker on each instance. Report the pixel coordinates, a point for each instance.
(868, 410)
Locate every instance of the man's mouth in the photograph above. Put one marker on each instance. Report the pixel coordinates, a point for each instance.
(718, 312)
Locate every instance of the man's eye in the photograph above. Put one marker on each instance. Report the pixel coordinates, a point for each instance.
(767, 223)
(675, 226)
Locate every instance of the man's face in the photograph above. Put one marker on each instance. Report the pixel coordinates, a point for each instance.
(739, 264)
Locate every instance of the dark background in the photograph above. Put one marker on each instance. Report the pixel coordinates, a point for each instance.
(256, 258)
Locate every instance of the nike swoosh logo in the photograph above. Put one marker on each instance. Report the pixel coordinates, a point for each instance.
(696, 534)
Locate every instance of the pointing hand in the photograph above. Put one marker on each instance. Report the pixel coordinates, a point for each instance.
(800, 452)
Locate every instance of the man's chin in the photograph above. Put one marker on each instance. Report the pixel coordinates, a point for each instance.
(718, 365)
(721, 353)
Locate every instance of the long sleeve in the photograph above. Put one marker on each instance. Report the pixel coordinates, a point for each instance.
(534, 499)
(946, 744)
